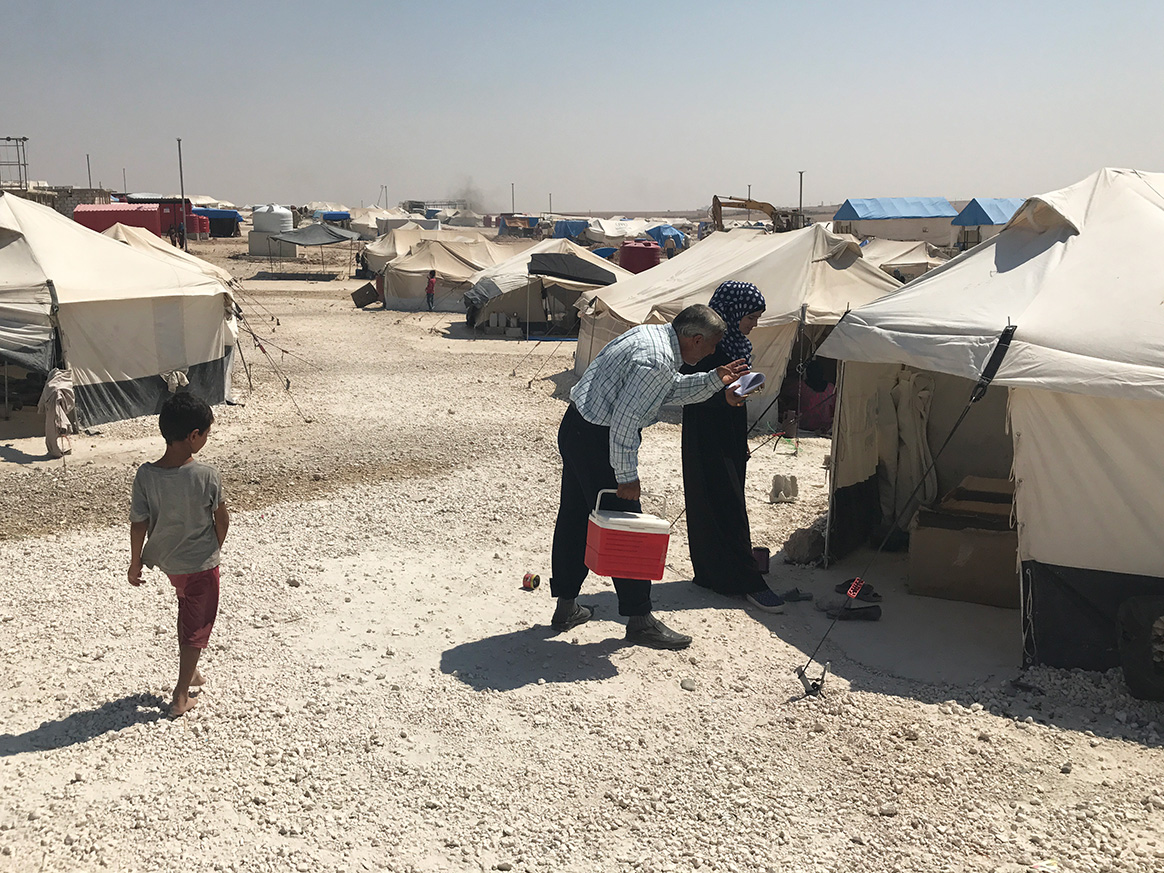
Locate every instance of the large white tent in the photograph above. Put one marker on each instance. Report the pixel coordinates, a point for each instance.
(141, 239)
(808, 275)
(123, 319)
(1082, 393)
(511, 288)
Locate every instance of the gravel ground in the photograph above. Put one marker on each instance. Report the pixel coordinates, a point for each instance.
(381, 695)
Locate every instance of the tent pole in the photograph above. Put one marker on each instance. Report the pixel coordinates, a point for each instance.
(7, 414)
(831, 482)
(528, 284)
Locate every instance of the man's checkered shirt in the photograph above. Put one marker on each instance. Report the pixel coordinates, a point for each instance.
(630, 380)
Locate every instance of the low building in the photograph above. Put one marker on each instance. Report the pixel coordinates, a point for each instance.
(984, 217)
(902, 218)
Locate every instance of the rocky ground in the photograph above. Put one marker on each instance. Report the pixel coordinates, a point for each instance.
(381, 694)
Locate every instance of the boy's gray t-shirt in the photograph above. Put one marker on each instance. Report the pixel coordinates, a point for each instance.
(179, 504)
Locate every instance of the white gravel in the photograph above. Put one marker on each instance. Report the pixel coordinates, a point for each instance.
(381, 695)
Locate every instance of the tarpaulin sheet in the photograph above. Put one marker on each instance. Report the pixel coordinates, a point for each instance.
(317, 235)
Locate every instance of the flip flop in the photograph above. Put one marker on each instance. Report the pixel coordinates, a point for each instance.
(795, 595)
(867, 592)
(856, 613)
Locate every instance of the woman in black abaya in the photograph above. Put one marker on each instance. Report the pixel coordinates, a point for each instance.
(715, 459)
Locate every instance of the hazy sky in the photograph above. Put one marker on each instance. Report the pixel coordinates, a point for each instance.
(608, 106)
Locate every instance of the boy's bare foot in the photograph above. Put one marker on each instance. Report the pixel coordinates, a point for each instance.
(181, 705)
(197, 680)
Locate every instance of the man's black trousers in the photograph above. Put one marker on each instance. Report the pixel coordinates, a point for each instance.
(585, 450)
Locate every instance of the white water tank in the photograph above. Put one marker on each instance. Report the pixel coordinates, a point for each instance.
(272, 219)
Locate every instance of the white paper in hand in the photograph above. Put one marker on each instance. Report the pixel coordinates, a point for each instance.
(747, 383)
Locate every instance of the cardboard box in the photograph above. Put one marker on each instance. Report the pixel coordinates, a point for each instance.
(965, 549)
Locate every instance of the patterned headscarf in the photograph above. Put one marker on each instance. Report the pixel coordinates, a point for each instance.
(732, 301)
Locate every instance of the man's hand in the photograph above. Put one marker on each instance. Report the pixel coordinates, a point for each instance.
(734, 399)
(135, 573)
(629, 490)
(728, 373)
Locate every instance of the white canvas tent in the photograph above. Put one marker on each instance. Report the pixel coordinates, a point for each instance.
(124, 319)
(910, 258)
(364, 221)
(399, 241)
(513, 290)
(806, 274)
(615, 231)
(1081, 389)
(455, 264)
(141, 239)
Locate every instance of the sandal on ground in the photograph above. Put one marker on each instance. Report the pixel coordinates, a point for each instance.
(867, 592)
(795, 595)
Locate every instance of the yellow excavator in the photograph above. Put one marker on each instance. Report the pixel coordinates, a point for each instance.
(782, 219)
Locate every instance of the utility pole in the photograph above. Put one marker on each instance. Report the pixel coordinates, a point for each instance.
(512, 201)
(749, 200)
(800, 208)
(551, 203)
(182, 194)
(89, 170)
(124, 186)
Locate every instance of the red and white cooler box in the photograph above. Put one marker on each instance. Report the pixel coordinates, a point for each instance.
(626, 545)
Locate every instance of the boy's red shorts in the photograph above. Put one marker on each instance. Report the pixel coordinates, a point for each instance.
(197, 606)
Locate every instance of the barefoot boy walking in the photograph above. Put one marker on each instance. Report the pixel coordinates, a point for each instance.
(178, 503)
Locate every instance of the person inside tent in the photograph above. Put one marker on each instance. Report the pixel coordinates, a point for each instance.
(715, 461)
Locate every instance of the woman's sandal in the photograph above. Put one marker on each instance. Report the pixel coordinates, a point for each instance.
(867, 593)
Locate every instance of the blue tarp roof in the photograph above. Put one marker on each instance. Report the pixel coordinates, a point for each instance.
(570, 228)
(876, 208)
(659, 234)
(988, 210)
(217, 213)
(331, 216)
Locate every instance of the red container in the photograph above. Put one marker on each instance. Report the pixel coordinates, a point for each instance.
(102, 216)
(626, 545)
(638, 255)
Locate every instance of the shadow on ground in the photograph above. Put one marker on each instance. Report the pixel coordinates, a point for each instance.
(924, 649)
(13, 455)
(80, 727)
(513, 660)
(288, 276)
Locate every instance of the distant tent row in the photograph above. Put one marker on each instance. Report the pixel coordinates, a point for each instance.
(400, 240)
(538, 284)
(126, 321)
(455, 264)
(808, 277)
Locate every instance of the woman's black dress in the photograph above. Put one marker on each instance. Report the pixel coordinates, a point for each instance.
(715, 460)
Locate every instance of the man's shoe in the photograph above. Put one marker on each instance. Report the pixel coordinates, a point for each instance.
(649, 631)
(766, 600)
(580, 615)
